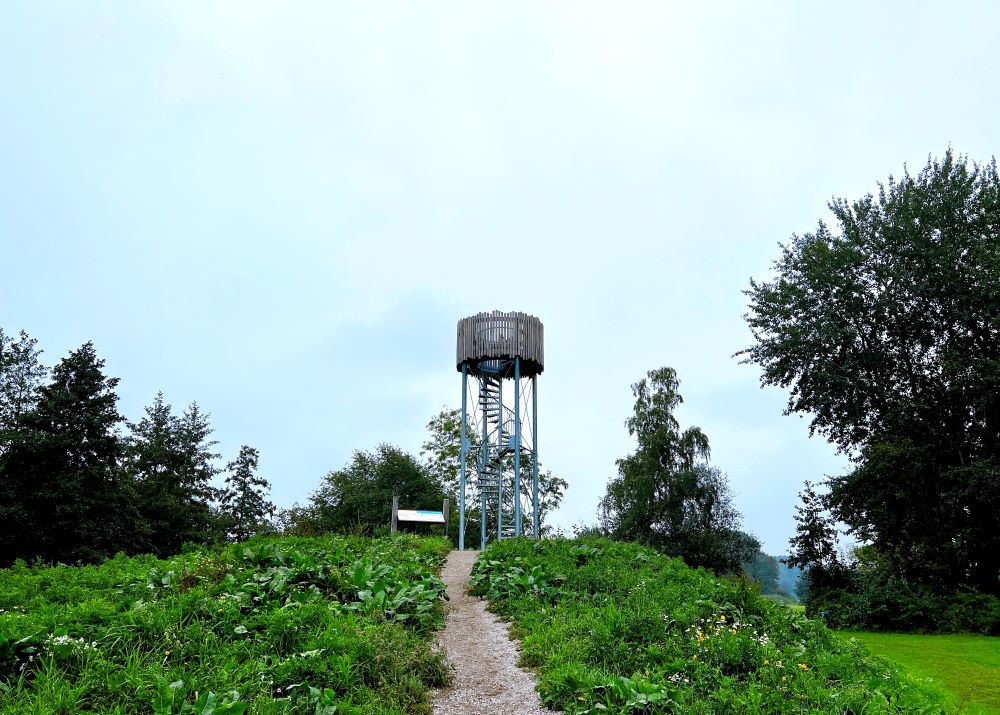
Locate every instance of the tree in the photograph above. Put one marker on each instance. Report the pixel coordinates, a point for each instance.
(169, 459)
(814, 546)
(666, 494)
(359, 497)
(21, 373)
(441, 452)
(442, 456)
(815, 542)
(887, 332)
(244, 502)
(64, 495)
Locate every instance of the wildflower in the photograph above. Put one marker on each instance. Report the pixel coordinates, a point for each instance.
(784, 677)
(767, 662)
(803, 666)
(166, 652)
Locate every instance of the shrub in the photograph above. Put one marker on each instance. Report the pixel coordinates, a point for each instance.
(875, 600)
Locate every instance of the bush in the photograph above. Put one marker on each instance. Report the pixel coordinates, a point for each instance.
(875, 600)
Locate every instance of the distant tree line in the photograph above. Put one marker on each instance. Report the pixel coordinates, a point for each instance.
(78, 482)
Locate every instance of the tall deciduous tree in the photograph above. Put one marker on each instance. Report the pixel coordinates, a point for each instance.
(244, 503)
(359, 496)
(887, 332)
(21, 374)
(666, 494)
(65, 498)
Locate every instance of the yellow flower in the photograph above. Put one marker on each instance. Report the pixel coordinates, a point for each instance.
(784, 677)
(166, 652)
(767, 662)
(803, 666)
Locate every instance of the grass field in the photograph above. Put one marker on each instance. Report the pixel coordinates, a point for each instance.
(967, 666)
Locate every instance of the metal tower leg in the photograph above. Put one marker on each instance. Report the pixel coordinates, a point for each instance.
(517, 446)
(534, 458)
(499, 461)
(464, 456)
(483, 462)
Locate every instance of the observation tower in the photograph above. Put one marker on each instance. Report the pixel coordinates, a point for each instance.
(500, 356)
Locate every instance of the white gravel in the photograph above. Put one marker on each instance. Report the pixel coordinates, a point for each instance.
(483, 658)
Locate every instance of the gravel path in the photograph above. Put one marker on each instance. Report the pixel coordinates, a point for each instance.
(482, 656)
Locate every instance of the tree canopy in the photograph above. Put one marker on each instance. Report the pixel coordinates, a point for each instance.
(665, 493)
(64, 496)
(243, 504)
(170, 461)
(886, 331)
(73, 488)
(359, 496)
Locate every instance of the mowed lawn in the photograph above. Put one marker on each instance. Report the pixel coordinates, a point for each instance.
(966, 666)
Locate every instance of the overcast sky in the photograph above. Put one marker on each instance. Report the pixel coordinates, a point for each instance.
(282, 210)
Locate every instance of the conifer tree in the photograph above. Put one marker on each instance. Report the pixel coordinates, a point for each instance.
(65, 496)
(244, 503)
(170, 461)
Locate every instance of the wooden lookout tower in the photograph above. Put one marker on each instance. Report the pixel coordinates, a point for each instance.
(500, 356)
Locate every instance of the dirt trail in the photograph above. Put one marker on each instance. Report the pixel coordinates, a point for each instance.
(482, 656)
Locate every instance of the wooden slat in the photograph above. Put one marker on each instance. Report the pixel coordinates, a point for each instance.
(499, 335)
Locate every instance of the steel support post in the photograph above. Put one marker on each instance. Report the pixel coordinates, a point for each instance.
(534, 458)
(465, 454)
(484, 458)
(517, 446)
(499, 459)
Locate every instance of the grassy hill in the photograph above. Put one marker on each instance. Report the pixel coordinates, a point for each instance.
(618, 628)
(345, 625)
(311, 626)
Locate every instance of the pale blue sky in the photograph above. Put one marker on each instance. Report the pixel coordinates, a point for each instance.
(281, 210)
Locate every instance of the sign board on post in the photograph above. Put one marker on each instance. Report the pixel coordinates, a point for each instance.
(418, 516)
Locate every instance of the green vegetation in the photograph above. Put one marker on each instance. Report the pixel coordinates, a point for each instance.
(968, 666)
(74, 488)
(441, 453)
(666, 494)
(619, 628)
(358, 498)
(884, 328)
(875, 600)
(290, 625)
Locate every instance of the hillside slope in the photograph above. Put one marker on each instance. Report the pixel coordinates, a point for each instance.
(311, 626)
(618, 628)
